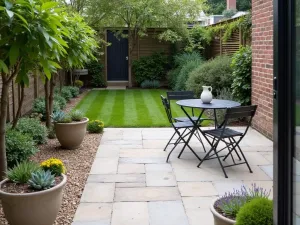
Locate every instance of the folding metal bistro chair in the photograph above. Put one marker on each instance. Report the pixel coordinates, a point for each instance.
(182, 95)
(230, 137)
(186, 127)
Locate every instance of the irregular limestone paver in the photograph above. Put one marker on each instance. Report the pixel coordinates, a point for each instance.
(130, 182)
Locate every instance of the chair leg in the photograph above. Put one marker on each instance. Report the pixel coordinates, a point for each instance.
(191, 134)
(245, 159)
(169, 141)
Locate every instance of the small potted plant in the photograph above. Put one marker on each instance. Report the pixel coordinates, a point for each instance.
(226, 207)
(70, 129)
(32, 193)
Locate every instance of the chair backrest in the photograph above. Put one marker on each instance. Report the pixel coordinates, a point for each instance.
(166, 104)
(180, 95)
(241, 112)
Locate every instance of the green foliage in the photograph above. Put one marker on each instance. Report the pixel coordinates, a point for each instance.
(180, 61)
(19, 147)
(78, 83)
(198, 38)
(51, 132)
(33, 128)
(185, 73)
(39, 106)
(96, 71)
(74, 91)
(54, 165)
(21, 172)
(216, 73)
(60, 100)
(257, 211)
(42, 180)
(150, 67)
(227, 28)
(95, 126)
(150, 84)
(242, 69)
(76, 115)
(66, 93)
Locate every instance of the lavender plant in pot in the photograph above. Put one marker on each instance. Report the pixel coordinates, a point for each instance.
(226, 207)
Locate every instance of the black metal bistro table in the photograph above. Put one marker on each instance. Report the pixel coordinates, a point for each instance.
(215, 104)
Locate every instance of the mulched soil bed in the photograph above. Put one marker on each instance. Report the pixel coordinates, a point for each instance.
(78, 164)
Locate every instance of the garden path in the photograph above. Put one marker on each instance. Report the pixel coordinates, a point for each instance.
(131, 184)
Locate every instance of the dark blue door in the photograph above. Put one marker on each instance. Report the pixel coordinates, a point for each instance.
(117, 58)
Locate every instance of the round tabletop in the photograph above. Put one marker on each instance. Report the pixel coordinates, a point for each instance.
(214, 104)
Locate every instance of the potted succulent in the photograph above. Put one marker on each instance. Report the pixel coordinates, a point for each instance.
(32, 193)
(70, 129)
(226, 207)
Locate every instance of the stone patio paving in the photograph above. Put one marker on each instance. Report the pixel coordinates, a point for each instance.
(130, 182)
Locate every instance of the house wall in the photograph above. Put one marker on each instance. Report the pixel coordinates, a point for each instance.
(262, 65)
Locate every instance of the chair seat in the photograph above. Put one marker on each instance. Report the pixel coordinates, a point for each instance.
(184, 119)
(186, 124)
(227, 133)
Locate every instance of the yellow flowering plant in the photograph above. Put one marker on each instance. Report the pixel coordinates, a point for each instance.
(95, 126)
(55, 166)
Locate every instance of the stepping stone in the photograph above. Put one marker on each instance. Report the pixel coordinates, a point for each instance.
(147, 194)
(222, 187)
(105, 166)
(131, 168)
(268, 170)
(98, 192)
(197, 202)
(160, 179)
(152, 160)
(196, 215)
(195, 189)
(158, 168)
(130, 213)
(130, 185)
(119, 178)
(93, 212)
(167, 213)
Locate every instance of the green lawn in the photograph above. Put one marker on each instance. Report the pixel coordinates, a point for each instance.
(127, 108)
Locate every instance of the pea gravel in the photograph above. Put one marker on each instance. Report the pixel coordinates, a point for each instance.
(78, 164)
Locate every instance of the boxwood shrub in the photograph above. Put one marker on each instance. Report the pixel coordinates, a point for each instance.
(19, 147)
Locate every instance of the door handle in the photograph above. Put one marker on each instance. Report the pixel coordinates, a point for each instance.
(127, 58)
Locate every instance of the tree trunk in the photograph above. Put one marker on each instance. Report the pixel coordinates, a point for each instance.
(51, 95)
(130, 49)
(3, 116)
(18, 115)
(48, 119)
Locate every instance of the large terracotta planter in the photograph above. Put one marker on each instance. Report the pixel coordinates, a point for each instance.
(218, 218)
(71, 135)
(37, 208)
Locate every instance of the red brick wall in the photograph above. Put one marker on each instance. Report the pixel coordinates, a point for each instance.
(262, 65)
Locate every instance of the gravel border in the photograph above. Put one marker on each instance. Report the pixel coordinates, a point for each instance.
(78, 164)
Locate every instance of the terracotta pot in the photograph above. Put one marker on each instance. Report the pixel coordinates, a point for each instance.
(37, 208)
(71, 135)
(218, 218)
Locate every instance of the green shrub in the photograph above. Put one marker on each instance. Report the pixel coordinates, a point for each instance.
(180, 61)
(216, 73)
(39, 107)
(61, 101)
(150, 84)
(257, 211)
(95, 126)
(21, 172)
(96, 72)
(51, 132)
(66, 93)
(78, 83)
(242, 66)
(151, 67)
(184, 74)
(76, 115)
(56, 166)
(74, 91)
(19, 147)
(33, 128)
